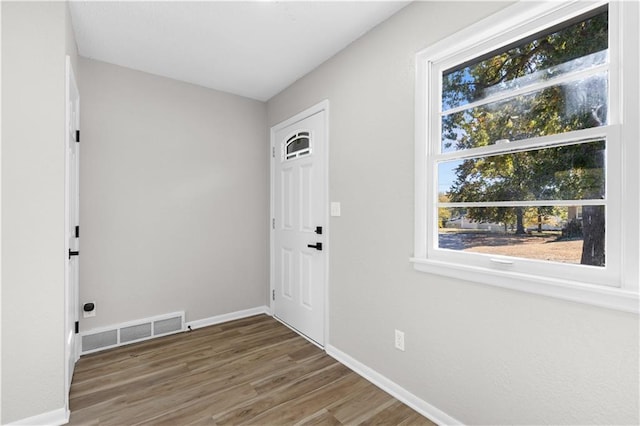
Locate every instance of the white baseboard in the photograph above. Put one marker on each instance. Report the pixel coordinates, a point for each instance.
(205, 322)
(52, 418)
(392, 388)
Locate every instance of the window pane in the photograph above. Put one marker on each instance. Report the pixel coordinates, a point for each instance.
(298, 145)
(576, 105)
(538, 58)
(553, 233)
(570, 172)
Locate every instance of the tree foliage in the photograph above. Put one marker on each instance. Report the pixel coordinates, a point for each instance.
(564, 172)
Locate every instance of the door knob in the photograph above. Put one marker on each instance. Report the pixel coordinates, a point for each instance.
(317, 246)
(73, 253)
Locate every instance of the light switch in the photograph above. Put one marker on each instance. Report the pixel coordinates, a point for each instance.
(335, 208)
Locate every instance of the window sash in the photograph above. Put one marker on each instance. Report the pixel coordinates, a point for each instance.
(610, 132)
(525, 203)
(530, 88)
(609, 275)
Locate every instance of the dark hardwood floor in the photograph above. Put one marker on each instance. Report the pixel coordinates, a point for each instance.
(250, 371)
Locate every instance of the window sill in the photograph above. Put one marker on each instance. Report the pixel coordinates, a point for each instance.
(605, 297)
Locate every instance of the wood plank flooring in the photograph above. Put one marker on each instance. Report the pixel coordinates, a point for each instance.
(250, 371)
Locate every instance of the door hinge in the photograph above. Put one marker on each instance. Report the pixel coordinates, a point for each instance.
(77, 327)
(273, 295)
(77, 231)
(77, 135)
(273, 223)
(273, 151)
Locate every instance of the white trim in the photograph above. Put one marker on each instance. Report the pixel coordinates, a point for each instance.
(319, 107)
(218, 319)
(630, 110)
(421, 149)
(527, 203)
(1, 214)
(392, 388)
(573, 291)
(573, 137)
(507, 25)
(70, 318)
(67, 225)
(50, 418)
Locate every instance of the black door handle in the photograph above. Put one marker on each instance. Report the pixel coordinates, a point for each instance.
(73, 253)
(317, 246)
(318, 230)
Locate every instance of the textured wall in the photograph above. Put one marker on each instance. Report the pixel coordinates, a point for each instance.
(480, 354)
(173, 197)
(35, 38)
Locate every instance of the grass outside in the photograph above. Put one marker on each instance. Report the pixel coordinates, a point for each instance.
(539, 246)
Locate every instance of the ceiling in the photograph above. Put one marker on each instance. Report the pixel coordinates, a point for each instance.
(253, 49)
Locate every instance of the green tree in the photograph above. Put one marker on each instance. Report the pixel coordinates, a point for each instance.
(567, 172)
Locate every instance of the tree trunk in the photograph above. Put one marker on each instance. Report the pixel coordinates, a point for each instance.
(593, 231)
(539, 223)
(519, 221)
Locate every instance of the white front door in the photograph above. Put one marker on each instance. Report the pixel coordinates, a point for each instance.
(299, 227)
(72, 236)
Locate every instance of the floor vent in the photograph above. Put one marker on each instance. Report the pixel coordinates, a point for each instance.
(131, 332)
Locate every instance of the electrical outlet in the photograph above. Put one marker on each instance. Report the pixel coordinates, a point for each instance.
(89, 310)
(400, 340)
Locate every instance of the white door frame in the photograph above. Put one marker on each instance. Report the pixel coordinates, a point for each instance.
(321, 106)
(69, 293)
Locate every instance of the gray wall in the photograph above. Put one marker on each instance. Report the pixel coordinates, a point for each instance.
(173, 197)
(35, 38)
(481, 354)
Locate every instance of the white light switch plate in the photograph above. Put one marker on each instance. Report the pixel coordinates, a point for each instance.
(335, 208)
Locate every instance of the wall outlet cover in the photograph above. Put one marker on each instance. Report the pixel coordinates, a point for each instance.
(335, 208)
(399, 342)
(91, 313)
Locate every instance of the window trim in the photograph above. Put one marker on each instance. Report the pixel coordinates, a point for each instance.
(507, 26)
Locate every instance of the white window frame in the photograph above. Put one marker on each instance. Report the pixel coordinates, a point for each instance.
(614, 286)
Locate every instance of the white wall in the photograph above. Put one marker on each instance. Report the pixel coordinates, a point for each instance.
(483, 355)
(35, 38)
(173, 197)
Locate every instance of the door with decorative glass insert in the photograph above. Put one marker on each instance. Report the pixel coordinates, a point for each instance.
(299, 231)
